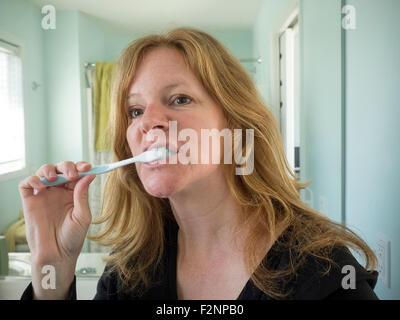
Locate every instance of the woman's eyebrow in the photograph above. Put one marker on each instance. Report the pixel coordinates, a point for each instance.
(168, 87)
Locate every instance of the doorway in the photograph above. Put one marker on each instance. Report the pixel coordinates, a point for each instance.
(289, 92)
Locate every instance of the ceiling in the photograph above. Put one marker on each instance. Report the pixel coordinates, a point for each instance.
(156, 14)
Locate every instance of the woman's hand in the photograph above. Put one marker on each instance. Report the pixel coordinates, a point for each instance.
(57, 219)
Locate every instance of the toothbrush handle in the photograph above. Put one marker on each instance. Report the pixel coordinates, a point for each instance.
(61, 179)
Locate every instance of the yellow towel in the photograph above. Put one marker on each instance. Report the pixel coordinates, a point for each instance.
(101, 103)
(16, 234)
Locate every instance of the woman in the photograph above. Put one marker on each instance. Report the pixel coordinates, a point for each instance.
(188, 230)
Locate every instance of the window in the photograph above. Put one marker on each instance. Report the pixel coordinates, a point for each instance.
(12, 133)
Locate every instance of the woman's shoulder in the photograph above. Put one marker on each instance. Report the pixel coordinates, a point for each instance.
(310, 276)
(318, 279)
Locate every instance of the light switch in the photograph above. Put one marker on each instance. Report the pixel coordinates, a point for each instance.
(382, 251)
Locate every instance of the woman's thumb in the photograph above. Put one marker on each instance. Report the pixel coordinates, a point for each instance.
(81, 195)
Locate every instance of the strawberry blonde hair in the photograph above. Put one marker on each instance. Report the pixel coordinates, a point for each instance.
(134, 220)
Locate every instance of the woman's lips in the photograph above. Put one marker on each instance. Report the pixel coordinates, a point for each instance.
(170, 147)
(153, 164)
(159, 163)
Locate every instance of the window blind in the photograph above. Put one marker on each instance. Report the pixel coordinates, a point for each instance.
(12, 133)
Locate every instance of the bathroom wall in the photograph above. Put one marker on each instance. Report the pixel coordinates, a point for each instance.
(271, 17)
(320, 82)
(321, 134)
(61, 53)
(372, 129)
(239, 43)
(78, 38)
(98, 41)
(350, 109)
(21, 19)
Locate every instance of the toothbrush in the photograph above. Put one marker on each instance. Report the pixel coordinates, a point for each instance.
(147, 156)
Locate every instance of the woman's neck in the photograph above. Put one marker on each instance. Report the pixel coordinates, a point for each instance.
(206, 214)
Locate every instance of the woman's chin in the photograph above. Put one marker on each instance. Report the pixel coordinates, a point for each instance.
(160, 187)
(160, 191)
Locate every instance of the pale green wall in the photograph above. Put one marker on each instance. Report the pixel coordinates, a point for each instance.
(91, 49)
(22, 19)
(239, 43)
(372, 128)
(321, 108)
(349, 130)
(63, 90)
(98, 41)
(78, 38)
(270, 19)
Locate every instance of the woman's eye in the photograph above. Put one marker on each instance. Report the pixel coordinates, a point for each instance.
(181, 100)
(134, 113)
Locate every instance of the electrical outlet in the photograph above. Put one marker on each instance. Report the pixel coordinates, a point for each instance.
(322, 204)
(382, 251)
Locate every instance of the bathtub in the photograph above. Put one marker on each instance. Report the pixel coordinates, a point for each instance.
(89, 269)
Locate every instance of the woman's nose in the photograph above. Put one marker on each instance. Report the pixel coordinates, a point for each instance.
(154, 117)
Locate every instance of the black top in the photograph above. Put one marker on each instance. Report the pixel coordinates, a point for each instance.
(309, 285)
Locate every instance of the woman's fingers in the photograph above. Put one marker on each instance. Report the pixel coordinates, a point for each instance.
(26, 187)
(83, 166)
(80, 166)
(47, 171)
(68, 168)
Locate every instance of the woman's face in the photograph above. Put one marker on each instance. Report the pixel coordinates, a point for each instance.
(163, 90)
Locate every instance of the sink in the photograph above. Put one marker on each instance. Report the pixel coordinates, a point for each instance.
(18, 267)
(89, 269)
(19, 264)
(88, 264)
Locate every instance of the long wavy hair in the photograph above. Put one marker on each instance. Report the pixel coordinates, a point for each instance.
(134, 220)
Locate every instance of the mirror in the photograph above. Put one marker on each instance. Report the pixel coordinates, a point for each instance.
(59, 44)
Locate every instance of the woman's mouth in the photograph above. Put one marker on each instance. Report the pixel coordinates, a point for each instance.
(161, 162)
